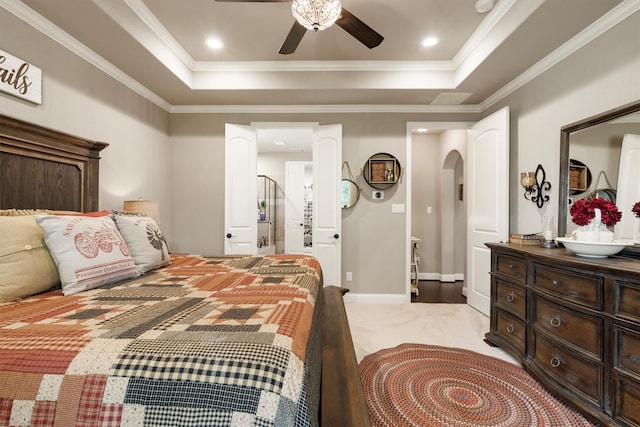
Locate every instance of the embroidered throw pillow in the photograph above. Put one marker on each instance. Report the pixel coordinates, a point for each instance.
(145, 241)
(26, 268)
(89, 252)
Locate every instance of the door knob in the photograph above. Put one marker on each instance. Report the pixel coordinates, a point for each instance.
(336, 236)
(229, 235)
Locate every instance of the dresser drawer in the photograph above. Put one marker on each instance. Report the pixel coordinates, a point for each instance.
(513, 267)
(511, 297)
(627, 350)
(585, 377)
(627, 300)
(627, 400)
(568, 325)
(580, 288)
(511, 329)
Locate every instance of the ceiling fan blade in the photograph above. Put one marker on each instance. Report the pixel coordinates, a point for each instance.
(293, 39)
(358, 29)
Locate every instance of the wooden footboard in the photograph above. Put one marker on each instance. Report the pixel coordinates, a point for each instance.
(342, 402)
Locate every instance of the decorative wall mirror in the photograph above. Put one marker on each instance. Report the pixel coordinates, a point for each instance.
(382, 171)
(350, 192)
(604, 132)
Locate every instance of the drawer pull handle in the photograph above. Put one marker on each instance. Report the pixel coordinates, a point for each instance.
(511, 328)
(511, 266)
(556, 321)
(556, 283)
(634, 358)
(556, 361)
(511, 297)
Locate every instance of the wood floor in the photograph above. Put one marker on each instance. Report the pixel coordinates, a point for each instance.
(439, 292)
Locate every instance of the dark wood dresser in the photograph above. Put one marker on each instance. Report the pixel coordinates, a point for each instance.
(574, 324)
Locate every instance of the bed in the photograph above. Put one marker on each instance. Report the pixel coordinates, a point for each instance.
(235, 340)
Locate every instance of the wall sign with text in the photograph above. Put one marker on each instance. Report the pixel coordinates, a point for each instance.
(20, 78)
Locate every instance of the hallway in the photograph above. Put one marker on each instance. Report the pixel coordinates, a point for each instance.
(431, 291)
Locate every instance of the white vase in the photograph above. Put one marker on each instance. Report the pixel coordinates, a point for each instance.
(595, 231)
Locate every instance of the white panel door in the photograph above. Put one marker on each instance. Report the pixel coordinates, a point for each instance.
(294, 208)
(241, 204)
(327, 212)
(628, 188)
(488, 202)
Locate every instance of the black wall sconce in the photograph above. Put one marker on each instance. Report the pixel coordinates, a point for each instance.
(534, 184)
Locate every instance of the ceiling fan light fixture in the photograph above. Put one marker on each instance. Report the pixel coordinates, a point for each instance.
(316, 14)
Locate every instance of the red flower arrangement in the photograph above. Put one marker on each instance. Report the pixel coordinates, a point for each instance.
(583, 211)
(636, 209)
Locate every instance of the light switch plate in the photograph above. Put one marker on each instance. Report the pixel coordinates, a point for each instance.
(397, 208)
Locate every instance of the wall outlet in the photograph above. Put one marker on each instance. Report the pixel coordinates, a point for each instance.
(349, 276)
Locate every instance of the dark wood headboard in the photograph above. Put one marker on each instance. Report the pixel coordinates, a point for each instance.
(41, 168)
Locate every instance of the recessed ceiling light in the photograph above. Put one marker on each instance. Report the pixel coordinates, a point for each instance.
(214, 43)
(422, 130)
(484, 6)
(430, 41)
(277, 142)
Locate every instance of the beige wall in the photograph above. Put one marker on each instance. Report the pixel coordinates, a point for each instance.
(425, 194)
(178, 159)
(373, 238)
(600, 76)
(438, 162)
(80, 100)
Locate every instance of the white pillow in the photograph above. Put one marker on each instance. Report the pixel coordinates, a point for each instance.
(89, 251)
(145, 241)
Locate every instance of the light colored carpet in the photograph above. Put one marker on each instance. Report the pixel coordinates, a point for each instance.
(376, 327)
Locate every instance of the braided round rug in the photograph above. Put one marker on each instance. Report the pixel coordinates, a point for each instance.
(426, 385)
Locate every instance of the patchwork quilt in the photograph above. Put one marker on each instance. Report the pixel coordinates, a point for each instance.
(205, 341)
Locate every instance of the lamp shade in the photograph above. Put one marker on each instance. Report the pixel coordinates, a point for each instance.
(316, 14)
(146, 207)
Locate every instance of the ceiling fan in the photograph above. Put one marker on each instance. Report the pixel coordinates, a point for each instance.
(346, 20)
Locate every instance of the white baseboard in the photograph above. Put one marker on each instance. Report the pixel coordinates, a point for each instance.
(354, 298)
(429, 276)
(441, 277)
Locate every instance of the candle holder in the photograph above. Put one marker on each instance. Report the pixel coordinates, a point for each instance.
(534, 185)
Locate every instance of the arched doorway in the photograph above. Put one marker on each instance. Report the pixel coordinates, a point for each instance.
(453, 218)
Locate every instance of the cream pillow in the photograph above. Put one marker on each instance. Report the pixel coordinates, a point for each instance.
(89, 252)
(26, 268)
(145, 241)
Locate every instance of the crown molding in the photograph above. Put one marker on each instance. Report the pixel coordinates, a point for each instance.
(489, 23)
(322, 66)
(586, 36)
(319, 109)
(606, 22)
(46, 27)
(151, 21)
